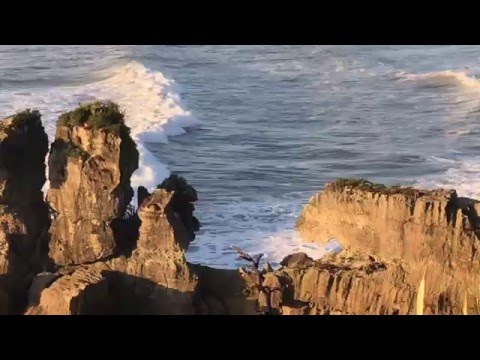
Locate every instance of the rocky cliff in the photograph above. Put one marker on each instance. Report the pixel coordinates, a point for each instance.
(407, 223)
(23, 213)
(154, 279)
(110, 258)
(90, 165)
(356, 283)
(417, 232)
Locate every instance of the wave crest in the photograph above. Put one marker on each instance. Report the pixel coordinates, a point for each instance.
(151, 102)
(444, 79)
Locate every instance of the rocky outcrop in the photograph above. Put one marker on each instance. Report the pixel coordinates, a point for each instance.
(109, 258)
(406, 223)
(163, 227)
(354, 282)
(90, 165)
(154, 279)
(182, 201)
(23, 213)
(84, 291)
(15, 261)
(393, 236)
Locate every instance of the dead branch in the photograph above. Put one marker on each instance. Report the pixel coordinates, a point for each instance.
(254, 261)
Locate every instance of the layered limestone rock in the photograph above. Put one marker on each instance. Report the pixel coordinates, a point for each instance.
(23, 213)
(163, 226)
(15, 262)
(154, 279)
(83, 292)
(353, 282)
(222, 292)
(90, 165)
(411, 224)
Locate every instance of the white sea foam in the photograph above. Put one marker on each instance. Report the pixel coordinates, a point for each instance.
(155, 111)
(461, 175)
(151, 101)
(265, 225)
(217, 250)
(444, 78)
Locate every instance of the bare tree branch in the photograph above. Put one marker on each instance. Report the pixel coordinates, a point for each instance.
(254, 266)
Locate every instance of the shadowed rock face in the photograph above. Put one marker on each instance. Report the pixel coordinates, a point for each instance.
(23, 213)
(353, 282)
(154, 279)
(89, 172)
(162, 225)
(399, 234)
(90, 165)
(414, 231)
(402, 223)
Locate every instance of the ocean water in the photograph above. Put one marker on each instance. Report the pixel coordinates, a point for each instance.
(258, 130)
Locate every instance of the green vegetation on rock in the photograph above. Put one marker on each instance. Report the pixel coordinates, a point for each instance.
(108, 117)
(26, 117)
(363, 184)
(359, 183)
(73, 150)
(178, 184)
(98, 115)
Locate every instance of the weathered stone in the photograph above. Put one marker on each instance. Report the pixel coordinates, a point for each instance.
(142, 194)
(23, 213)
(82, 292)
(162, 227)
(297, 260)
(272, 295)
(222, 292)
(351, 283)
(89, 171)
(402, 223)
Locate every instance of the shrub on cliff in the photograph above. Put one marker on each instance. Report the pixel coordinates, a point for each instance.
(109, 117)
(97, 115)
(25, 117)
(178, 184)
(379, 188)
(73, 150)
(185, 196)
(359, 183)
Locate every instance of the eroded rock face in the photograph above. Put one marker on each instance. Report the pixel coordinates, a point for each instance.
(23, 147)
(162, 225)
(15, 261)
(23, 213)
(353, 282)
(400, 223)
(84, 291)
(89, 172)
(154, 279)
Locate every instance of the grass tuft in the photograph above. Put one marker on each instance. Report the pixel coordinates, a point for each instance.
(98, 115)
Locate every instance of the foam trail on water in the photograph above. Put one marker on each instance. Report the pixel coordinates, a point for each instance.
(444, 78)
(264, 225)
(151, 102)
(154, 111)
(461, 175)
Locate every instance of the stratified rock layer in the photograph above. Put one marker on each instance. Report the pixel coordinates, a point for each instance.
(23, 213)
(84, 291)
(405, 223)
(89, 172)
(154, 279)
(353, 282)
(162, 226)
